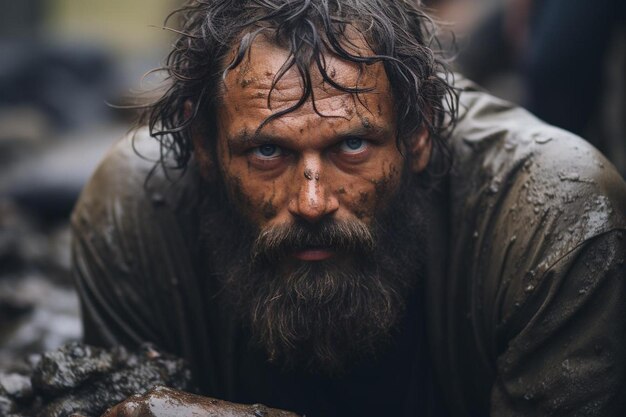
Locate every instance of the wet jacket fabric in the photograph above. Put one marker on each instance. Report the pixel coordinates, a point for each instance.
(523, 312)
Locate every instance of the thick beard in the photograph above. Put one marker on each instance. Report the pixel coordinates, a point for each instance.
(321, 316)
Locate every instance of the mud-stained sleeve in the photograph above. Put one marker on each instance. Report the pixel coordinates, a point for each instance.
(560, 304)
(107, 258)
(569, 358)
(534, 308)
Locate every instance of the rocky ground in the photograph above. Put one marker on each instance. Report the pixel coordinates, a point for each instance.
(79, 380)
(38, 306)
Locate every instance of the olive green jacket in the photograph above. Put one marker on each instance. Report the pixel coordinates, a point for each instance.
(525, 299)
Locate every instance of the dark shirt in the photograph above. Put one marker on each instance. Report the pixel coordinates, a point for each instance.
(523, 312)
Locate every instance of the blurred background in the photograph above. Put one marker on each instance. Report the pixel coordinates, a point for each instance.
(62, 60)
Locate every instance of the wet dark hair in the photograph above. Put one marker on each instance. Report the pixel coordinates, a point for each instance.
(399, 32)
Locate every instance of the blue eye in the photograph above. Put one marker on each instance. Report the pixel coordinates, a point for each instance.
(352, 145)
(267, 151)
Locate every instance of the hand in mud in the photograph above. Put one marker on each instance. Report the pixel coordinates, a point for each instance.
(166, 402)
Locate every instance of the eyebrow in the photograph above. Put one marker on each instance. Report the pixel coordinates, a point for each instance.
(244, 137)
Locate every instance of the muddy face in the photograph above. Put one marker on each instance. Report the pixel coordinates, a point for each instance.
(304, 165)
(329, 248)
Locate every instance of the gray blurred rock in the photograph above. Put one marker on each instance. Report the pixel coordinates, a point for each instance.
(87, 380)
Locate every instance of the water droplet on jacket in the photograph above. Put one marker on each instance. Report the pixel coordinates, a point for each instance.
(509, 146)
(541, 138)
(566, 364)
(569, 176)
(529, 288)
(494, 187)
(157, 199)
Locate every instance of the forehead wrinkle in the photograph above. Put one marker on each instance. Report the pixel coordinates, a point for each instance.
(246, 137)
(288, 90)
(348, 74)
(243, 137)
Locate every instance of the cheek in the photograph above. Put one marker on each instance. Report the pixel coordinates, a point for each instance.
(257, 200)
(388, 183)
(369, 195)
(237, 193)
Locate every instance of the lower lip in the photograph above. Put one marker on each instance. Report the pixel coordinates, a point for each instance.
(313, 255)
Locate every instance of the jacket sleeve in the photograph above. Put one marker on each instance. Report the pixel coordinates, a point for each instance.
(569, 357)
(133, 247)
(108, 255)
(560, 328)
(534, 313)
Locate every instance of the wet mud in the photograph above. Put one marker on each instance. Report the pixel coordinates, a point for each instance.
(80, 380)
(165, 402)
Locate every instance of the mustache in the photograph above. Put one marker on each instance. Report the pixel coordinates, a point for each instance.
(346, 236)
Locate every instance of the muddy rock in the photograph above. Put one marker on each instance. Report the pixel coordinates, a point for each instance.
(70, 366)
(86, 381)
(167, 402)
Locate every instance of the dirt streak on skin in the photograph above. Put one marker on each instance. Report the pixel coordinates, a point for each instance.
(269, 211)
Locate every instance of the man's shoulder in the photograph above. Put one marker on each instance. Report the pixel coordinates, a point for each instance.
(120, 173)
(132, 178)
(525, 194)
(531, 208)
(519, 170)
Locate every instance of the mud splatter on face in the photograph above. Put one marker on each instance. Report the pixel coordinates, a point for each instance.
(366, 122)
(341, 190)
(308, 174)
(237, 194)
(361, 214)
(382, 185)
(230, 144)
(269, 211)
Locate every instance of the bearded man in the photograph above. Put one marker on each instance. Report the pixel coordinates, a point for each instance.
(337, 227)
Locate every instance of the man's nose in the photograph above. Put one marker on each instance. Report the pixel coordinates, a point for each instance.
(313, 197)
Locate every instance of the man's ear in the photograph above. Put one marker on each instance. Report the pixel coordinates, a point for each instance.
(420, 148)
(201, 149)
